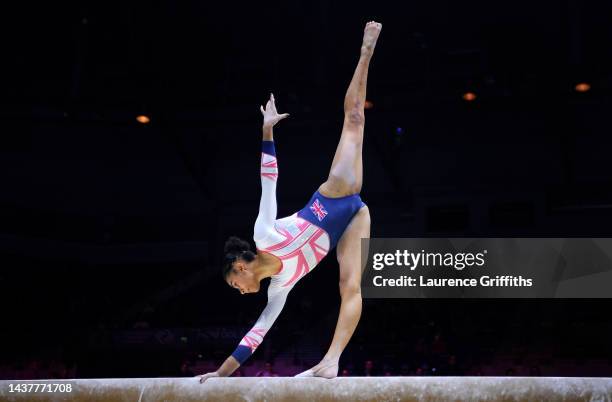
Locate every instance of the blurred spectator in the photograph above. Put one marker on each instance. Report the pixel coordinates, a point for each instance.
(185, 370)
(450, 367)
(405, 370)
(268, 371)
(32, 370)
(438, 345)
(368, 368)
(534, 371)
(420, 348)
(57, 370)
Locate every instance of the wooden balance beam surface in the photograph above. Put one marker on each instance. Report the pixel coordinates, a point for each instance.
(313, 389)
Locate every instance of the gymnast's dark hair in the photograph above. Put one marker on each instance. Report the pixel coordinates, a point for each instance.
(234, 249)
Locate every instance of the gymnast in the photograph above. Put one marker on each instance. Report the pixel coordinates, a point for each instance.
(291, 247)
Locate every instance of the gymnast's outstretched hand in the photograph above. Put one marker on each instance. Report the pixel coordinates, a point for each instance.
(270, 115)
(225, 370)
(204, 377)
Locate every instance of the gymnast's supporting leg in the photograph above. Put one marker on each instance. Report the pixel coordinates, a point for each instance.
(351, 267)
(346, 178)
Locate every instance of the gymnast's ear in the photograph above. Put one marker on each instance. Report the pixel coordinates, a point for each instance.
(240, 266)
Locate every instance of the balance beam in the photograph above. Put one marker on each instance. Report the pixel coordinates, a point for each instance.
(317, 389)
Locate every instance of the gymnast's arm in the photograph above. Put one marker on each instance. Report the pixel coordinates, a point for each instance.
(264, 224)
(269, 173)
(249, 343)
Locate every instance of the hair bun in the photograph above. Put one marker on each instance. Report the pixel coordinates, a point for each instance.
(235, 246)
(234, 249)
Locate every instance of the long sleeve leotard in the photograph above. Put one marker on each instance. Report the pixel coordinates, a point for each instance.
(298, 243)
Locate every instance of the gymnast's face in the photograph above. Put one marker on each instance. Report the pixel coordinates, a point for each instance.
(242, 278)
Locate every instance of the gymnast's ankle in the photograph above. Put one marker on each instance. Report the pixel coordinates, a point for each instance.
(330, 359)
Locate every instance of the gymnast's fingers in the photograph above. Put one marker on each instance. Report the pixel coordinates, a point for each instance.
(262, 109)
(273, 103)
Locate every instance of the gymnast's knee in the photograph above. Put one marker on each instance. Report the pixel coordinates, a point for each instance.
(350, 288)
(354, 115)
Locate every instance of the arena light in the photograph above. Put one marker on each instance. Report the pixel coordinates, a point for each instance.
(143, 119)
(582, 87)
(368, 104)
(469, 96)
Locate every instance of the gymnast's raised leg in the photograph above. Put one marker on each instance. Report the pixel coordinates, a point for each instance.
(345, 178)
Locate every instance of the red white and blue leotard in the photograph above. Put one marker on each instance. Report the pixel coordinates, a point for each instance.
(300, 241)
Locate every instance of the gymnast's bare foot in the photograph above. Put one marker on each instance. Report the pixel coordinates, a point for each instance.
(370, 35)
(325, 369)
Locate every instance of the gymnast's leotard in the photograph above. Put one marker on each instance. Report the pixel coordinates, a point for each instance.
(300, 241)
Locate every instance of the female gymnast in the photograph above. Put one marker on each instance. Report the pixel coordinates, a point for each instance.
(289, 248)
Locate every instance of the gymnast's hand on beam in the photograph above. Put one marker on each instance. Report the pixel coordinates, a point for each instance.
(270, 115)
(204, 377)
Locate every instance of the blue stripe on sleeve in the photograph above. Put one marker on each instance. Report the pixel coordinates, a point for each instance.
(242, 353)
(267, 147)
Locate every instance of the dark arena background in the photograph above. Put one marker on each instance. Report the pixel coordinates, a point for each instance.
(130, 151)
